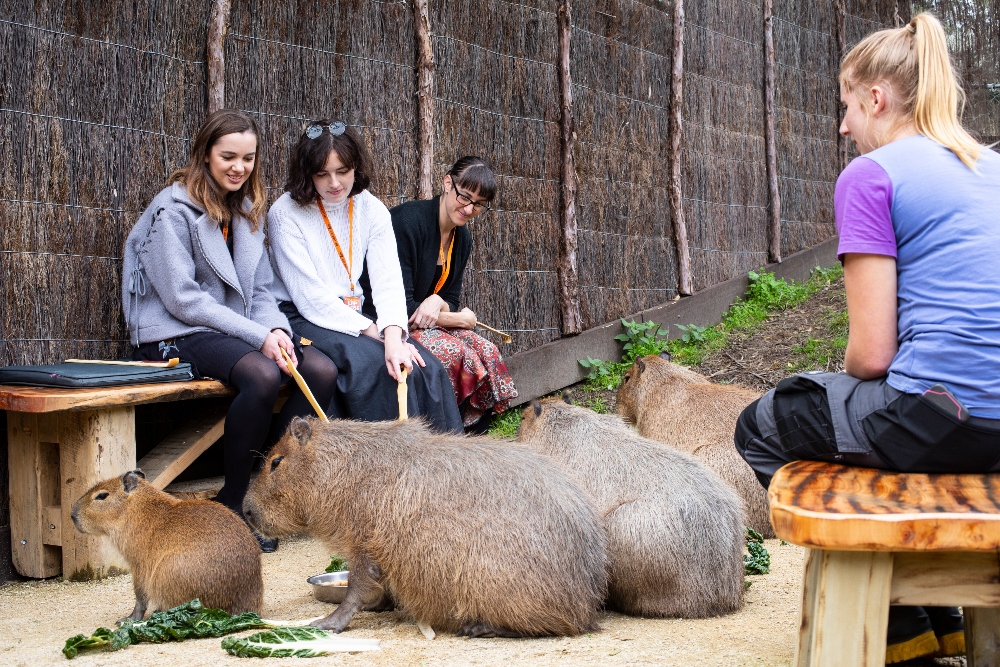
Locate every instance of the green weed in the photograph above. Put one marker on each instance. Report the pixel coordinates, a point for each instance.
(505, 425)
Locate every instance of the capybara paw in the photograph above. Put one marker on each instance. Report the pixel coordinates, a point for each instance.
(485, 630)
(331, 623)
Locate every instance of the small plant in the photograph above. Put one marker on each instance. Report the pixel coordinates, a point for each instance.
(603, 374)
(337, 564)
(759, 560)
(692, 333)
(505, 425)
(597, 403)
(641, 339)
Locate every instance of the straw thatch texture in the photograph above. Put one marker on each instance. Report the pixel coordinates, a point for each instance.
(99, 100)
(620, 60)
(725, 189)
(497, 93)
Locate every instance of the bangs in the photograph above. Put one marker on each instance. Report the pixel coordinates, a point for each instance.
(478, 179)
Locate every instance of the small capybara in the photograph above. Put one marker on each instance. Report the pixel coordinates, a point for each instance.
(476, 536)
(178, 550)
(678, 407)
(675, 530)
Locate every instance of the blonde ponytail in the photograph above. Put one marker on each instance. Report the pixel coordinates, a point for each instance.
(914, 62)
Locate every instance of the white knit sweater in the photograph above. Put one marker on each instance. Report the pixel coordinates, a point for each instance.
(308, 271)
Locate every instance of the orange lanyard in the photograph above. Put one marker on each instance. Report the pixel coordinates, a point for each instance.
(446, 264)
(225, 231)
(350, 232)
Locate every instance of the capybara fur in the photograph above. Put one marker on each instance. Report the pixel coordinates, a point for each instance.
(678, 407)
(177, 550)
(675, 530)
(475, 536)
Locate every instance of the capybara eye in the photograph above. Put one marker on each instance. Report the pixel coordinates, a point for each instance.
(275, 462)
(101, 496)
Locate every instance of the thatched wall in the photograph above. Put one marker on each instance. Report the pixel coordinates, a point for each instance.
(101, 98)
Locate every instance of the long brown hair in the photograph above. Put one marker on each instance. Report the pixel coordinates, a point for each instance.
(913, 61)
(222, 206)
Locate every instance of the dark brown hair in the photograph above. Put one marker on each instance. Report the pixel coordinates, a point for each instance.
(476, 175)
(220, 205)
(310, 155)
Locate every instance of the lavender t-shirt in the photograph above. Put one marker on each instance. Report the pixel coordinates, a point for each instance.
(914, 200)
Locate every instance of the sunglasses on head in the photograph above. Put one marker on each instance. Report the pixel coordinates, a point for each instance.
(335, 129)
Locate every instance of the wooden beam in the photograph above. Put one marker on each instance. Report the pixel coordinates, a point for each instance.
(58, 399)
(180, 449)
(684, 283)
(33, 456)
(569, 286)
(774, 196)
(425, 99)
(215, 55)
(982, 636)
(946, 579)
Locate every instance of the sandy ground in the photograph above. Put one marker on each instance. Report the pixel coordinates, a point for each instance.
(38, 616)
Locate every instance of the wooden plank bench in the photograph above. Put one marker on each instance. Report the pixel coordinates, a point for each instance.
(876, 539)
(62, 441)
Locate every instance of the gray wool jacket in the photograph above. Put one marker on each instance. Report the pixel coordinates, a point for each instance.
(178, 277)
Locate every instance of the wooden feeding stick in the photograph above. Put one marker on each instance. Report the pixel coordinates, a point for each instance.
(170, 363)
(401, 393)
(299, 380)
(504, 336)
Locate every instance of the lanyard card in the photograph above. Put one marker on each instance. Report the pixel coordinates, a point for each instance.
(353, 302)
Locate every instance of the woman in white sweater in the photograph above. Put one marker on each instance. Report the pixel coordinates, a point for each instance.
(322, 233)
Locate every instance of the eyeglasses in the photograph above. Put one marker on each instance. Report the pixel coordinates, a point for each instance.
(337, 128)
(465, 200)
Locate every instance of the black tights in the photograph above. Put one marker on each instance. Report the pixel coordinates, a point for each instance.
(248, 421)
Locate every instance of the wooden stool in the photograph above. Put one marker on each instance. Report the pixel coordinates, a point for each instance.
(878, 538)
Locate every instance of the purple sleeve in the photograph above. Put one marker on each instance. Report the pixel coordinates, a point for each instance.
(863, 205)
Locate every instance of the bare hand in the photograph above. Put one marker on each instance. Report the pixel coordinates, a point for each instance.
(426, 314)
(275, 342)
(397, 353)
(470, 318)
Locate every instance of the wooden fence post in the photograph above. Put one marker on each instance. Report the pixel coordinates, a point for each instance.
(425, 99)
(684, 285)
(215, 55)
(774, 197)
(839, 12)
(569, 286)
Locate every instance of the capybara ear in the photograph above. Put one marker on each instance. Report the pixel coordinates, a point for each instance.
(139, 473)
(641, 364)
(665, 355)
(536, 406)
(130, 480)
(300, 430)
(567, 397)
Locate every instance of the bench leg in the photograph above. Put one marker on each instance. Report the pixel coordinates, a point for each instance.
(845, 609)
(33, 460)
(93, 445)
(982, 636)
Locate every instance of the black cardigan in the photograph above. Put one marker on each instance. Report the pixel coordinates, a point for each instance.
(418, 239)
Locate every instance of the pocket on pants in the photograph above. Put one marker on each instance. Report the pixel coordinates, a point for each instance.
(802, 418)
(914, 435)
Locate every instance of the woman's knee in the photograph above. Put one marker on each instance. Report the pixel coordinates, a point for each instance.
(256, 375)
(746, 429)
(318, 370)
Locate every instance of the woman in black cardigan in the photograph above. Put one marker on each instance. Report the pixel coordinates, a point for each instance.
(434, 245)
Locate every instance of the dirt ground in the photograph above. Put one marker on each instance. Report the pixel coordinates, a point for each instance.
(38, 616)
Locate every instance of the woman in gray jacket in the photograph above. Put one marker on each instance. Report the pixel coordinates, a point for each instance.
(196, 285)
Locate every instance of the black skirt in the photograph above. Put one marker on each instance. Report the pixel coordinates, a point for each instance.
(366, 391)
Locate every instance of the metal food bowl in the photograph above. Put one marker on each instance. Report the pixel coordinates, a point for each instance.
(325, 588)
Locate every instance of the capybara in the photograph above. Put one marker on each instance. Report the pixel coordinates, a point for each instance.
(476, 536)
(675, 530)
(676, 406)
(177, 550)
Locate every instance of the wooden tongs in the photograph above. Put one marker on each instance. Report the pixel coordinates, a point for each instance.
(504, 336)
(299, 380)
(170, 363)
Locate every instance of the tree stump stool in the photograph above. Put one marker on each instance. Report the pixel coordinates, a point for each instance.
(877, 538)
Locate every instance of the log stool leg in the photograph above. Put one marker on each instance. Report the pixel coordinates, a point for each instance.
(93, 445)
(982, 636)
(33, 458)
(845, 609)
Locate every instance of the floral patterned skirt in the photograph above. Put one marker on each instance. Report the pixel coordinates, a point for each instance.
(478, 373)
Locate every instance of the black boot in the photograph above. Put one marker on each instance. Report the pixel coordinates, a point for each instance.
(909, 635)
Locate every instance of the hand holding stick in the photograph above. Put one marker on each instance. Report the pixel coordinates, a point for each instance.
(299, 380)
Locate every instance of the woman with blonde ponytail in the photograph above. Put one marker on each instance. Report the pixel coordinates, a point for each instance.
(918, 214)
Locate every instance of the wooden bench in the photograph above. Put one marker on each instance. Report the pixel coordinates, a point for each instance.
(62, 441)
(876, 539)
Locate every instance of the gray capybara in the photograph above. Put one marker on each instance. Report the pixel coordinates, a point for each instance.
(680, 408)
(477, 536)
(675, 530)
(177, 550)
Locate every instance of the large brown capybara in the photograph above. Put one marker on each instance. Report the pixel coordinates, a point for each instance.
(675, 530)
(477, 536)
(177, 550)
(678, 407)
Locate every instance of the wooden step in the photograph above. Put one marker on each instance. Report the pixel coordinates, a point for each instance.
(196, 489)
(180, 449)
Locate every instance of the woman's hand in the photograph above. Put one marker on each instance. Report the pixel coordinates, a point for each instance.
(426, 314)
(469, 318)
(398, 353)
(275, 342)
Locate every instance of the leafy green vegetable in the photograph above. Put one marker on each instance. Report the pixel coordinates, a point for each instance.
(186, 621)
(337, 564)
(759, 560)
(301, 642)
